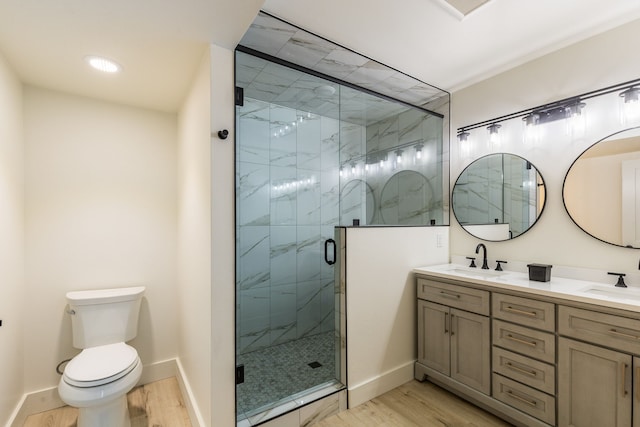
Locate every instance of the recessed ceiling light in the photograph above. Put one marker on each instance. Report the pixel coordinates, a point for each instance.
(103, 64)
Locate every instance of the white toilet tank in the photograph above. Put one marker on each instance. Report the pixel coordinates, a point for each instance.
(105, 316)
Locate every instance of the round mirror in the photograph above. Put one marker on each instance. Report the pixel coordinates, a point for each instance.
(601, 191)
(407, 199)
(498, 197)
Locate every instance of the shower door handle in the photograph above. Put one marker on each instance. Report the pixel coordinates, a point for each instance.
(326, 251)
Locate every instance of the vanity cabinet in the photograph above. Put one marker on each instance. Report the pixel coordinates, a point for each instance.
(596, 381)
(553, 361)
(454, 339)
(524, 354)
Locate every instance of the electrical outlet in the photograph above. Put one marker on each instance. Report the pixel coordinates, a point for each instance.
(438, 240)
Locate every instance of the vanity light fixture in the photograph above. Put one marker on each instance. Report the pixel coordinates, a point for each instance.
(630, 106)
(419, 151)
(574, 109)
(494, 135)
(103, 64)
(465, 145)
(575, 118)
(463, 136)
(399, 156)
(531, 133)
(570, 109)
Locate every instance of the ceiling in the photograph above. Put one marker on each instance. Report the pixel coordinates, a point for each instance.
(160, 43)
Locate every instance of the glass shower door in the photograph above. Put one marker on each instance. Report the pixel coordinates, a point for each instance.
(286, 208)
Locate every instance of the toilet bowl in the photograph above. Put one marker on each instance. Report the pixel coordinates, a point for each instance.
(97, 382)
(98, 379)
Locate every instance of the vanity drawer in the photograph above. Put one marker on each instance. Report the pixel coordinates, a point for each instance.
(611, 331)
(531, 372)
(528, 400)
(468, 299)
(530, 342)
(524, 311)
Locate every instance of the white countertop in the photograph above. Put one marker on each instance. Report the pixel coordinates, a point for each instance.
(558, 287)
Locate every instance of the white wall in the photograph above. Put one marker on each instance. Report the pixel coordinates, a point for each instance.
(100, 212)
(596, 63)
(222, 240)
(12, 241)
(381, 303)
(194, 238)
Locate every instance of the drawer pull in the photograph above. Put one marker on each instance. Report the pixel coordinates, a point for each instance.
(521, 399)
(518, 340)
(522, 371)
(622, 334)
(448, 295)
(522, 312)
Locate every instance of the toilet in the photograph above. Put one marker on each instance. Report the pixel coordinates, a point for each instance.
(98, 379)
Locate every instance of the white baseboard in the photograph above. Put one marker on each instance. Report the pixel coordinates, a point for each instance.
(47, 399)
(189, 400)
(380, 384)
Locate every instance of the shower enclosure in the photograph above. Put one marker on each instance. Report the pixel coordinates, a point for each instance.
(313, 153)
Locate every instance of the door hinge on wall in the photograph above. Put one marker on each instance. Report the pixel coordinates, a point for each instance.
(239, 374)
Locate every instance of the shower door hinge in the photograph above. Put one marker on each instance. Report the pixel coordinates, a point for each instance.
(239, 374)
(239, 96)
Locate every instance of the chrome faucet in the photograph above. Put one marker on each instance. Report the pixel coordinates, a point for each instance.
(485, 266)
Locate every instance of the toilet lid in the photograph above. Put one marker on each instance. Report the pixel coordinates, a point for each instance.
(100, 365)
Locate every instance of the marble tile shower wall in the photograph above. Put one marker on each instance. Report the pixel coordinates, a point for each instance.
(287, 205)
(419, 179)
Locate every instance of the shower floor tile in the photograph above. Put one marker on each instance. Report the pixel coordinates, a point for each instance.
(275, 374)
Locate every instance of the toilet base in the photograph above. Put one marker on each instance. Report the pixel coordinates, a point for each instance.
(112, 414)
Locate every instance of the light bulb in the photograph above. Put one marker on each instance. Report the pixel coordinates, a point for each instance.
(630, 106)
(575, 119)
(399, 156)
(465, 144)
(531, 131)
(494, 135)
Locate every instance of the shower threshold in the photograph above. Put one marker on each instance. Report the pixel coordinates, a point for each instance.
(288, 404)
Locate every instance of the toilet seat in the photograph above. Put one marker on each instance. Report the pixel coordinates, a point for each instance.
(100, 365)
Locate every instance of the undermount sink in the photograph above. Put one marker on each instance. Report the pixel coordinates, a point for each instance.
(613, 292)
(476, 272)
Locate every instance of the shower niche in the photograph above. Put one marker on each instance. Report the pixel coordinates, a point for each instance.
(314, 152)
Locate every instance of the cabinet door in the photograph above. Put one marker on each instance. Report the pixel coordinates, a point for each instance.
(471, 350)
(433, 336)
(594, 385)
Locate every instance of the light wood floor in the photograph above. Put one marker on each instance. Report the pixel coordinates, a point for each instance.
(158, 404)
(414, 404)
